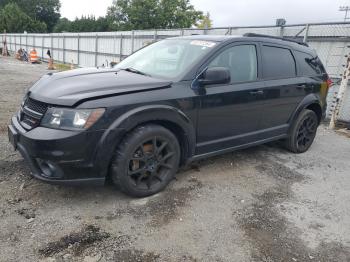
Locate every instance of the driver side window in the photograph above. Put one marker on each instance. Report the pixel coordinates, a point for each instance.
(240, 60)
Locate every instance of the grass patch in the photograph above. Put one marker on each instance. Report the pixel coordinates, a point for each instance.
(62, 67)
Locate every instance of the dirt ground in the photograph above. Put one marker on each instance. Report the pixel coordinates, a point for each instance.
(260, 204)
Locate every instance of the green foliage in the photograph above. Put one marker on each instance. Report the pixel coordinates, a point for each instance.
(46, 11)
(14, 20)
(83, 24)
(205, 22)
(63, 25)
(89, 24)
(136, 14)
(44, 16)
(152, 14)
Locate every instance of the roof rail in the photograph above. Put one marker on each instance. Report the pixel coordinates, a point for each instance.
(289, 39)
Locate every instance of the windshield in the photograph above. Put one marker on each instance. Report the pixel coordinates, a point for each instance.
(167, 59)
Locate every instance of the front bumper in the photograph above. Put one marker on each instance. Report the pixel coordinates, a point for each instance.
(59, 156)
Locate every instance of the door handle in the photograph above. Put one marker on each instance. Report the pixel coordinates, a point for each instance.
(258, 92)
(301, 86)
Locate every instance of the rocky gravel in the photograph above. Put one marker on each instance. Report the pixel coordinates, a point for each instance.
(259, 204)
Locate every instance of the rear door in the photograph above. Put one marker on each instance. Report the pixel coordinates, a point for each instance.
(283, 91)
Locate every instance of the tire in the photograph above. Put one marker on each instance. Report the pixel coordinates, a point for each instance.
(302, 132)
(146, 161)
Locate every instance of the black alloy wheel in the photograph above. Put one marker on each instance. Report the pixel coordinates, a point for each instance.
(146, 161)
(151, 162)
(306, 132)
(303, 132)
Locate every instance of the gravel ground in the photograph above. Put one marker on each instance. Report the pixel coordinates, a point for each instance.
(260, 204)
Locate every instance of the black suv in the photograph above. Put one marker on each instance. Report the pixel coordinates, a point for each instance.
(170, 103)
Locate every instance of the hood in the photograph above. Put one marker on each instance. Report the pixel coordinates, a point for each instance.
(71, 87)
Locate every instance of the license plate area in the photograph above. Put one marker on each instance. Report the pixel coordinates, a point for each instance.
(13, 136)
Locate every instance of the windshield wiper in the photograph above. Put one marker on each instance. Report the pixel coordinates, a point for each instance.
(135, 71)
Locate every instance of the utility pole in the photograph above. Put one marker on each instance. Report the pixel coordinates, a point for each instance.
(345, 9)
(340, 95)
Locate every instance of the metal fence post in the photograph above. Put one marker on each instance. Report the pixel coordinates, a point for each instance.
(306, 33)
(115, 46)
(27, 42)
(96, 49)
(121, 48)
(281, 31)
(155, 35)
(132, 41)
(78, 50)
(64, 49)
(52, 47)
(42, 46)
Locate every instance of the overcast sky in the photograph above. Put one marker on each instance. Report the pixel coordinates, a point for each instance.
(235, 12)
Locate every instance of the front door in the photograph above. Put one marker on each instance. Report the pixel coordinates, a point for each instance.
(230, 114)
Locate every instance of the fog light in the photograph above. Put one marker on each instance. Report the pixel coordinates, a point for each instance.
(49, 169)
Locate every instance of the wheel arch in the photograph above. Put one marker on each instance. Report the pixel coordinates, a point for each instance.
(310, 102)
(316, 107)
(167, 116)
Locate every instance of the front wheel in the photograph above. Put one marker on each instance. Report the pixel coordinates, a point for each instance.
(146, 161)
(303, 132)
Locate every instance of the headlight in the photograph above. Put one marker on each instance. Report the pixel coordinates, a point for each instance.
(72, 119)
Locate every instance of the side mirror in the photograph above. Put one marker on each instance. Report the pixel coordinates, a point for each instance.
(215, 75)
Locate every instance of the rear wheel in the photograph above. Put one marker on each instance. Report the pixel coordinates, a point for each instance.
(146, 161)
(303, 132)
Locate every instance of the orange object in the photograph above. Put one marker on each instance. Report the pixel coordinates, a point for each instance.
(34, 56)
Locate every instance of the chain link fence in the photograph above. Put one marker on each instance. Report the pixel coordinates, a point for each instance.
(330, 40)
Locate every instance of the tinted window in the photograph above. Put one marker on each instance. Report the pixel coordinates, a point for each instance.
(277, 62)
(240, 60)
(308, 65)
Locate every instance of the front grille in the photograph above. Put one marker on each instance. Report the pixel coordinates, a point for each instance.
(36, 106)
(32, 112)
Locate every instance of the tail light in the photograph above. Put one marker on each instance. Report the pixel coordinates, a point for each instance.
(329, 82)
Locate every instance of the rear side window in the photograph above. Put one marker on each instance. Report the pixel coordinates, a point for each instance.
(308, 65)
(278, 62)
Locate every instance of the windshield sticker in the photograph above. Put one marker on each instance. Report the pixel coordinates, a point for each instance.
(203, 43)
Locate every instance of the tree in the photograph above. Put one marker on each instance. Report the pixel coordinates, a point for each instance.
(83, 24)
(14, 20)
(152, 14)
(205, 22)
(89, 24)
(47, 11)
(63, 25)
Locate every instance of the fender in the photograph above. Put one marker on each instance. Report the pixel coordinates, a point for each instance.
(308, 100)
(131, 119)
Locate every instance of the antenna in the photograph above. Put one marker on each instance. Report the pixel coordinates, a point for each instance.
(345, 9)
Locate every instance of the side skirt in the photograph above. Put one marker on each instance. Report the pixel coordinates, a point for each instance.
(227, 150)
